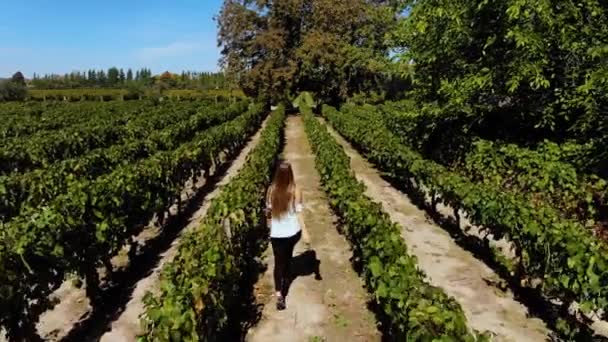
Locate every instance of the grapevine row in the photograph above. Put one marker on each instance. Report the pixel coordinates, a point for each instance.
(22, 154)
(414, 309)
(83, 228)
(107, 116)
(541, 176)
(570, 262)
(198, 288)
(548, 174)
(35, 187)
(106, 94)
(21, 120)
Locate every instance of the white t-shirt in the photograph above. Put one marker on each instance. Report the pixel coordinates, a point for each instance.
(287, 225)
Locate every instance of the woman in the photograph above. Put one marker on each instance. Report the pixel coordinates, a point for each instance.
(284, 210)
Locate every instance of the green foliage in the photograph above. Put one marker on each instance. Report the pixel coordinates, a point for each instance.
(436, 135)
(550, 174)
(304, 99)
(85, 226)
(18, 78)
(12, 91)
(47, 147)
(414, 309)
(201, 285)
(570, 261)
(210, 94)
(117, 78)
(176, 124)
(25, 119)
(279, 48)
(541, 176)
(131, 91)
(529, 69)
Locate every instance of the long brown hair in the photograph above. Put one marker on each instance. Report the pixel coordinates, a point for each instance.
(282, 191)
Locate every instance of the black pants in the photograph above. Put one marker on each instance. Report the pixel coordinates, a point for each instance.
(282, 249)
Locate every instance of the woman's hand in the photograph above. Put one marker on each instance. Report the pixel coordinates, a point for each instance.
(306, 236)
(268, 215)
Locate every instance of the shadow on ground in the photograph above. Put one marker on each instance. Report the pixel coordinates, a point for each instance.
(302, 265)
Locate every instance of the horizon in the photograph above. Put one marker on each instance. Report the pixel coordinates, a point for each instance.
(84, 72)
(155, 35)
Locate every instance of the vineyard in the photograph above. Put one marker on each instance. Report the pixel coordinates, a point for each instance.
(451, 157)
(81, 182)
(94, 94)
(74, 195)
(529, 198)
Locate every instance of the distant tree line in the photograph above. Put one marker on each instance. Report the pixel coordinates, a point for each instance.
(119, 78)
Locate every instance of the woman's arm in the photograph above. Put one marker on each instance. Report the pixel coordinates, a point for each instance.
(268, 207)
(300, 215)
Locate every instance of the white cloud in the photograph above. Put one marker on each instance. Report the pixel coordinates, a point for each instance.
(179, 48)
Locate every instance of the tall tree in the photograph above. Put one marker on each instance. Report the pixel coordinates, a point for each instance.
(13, 89)
(280, 47)
(18, 78)
(102, 79)
(113, 75)
(166, 80)
(521, 70)
(121, 76)
(538, 57)
(92, 77)
(129, 75)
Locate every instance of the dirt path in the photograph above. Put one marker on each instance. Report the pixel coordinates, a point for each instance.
(449, 266)
(330, 309)
(127, 326)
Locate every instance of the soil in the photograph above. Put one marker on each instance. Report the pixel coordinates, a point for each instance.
(330, 305)
(472, 283)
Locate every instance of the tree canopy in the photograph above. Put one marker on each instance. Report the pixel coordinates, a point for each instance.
(278, 48)
(18, 78)
(544, 60)
(13, 89)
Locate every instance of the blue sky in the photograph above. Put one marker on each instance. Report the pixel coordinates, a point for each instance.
(59, 36)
